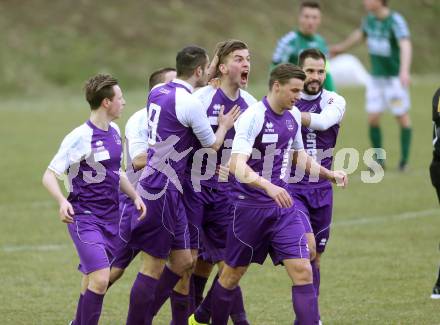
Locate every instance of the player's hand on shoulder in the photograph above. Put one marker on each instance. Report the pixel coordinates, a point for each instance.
(279, 195)
(66, 212)
(340, 178)
(140, 206)
(227, 120)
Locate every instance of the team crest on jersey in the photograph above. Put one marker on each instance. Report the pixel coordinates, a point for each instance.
(290, 125)
(313, 108)
(99, 143)
(331, 100)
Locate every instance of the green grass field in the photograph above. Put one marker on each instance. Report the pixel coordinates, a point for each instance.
(378, 269)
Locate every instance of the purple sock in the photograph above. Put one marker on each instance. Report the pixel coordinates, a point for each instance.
(316, 277)
(222, 300)
(316, 282)
(167, 282)
(91, 308)
(191, 298)
(179, 308)
(141, 297)
(238, 314)
(77, 320)
(203, 312)
(199, 287)
(305, 304)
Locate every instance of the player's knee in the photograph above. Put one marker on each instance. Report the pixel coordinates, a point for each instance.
(99, 283)
(373, 119)
(302, 273)
(184, 265)
(230, 278)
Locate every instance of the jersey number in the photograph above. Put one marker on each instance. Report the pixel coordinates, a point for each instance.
(153, 120)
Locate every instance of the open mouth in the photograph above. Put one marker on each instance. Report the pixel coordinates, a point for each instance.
(244, 77)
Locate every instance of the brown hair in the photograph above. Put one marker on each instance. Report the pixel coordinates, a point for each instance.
(99, 87)
(309, 4)
(189, 59)
(158, 76)
(223, 49)
(310, 53)
(284, 72)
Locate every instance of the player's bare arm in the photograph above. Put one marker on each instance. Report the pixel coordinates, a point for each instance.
(245, 174)
(405, 61)
(50, 182)
(353, 39)
(128, 189)
(307, 163)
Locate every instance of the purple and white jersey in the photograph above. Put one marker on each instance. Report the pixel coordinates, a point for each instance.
(136, 134)
(326, 112)
(92, 158)
(175, 120)
(268, 138)
(212, 100)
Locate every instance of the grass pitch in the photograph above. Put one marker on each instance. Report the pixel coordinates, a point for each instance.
(379, 267)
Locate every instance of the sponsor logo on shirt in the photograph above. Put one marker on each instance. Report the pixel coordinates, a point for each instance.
(269, 127)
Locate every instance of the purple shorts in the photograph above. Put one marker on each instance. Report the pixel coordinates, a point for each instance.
(209, 215)
(256, 232)
(164, 228)
(127, 212)
(96, 242)
(315, 206)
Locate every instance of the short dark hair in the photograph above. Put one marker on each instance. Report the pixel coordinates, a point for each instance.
(223, 49)
(157, 76)
(99, 87)
(309, 4)
(189, 59)
(284, 72)
(310, 53)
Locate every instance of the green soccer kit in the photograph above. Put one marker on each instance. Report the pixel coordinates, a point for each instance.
(293, 43)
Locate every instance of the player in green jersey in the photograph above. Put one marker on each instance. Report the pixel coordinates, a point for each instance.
(390, 50)
(305, 37)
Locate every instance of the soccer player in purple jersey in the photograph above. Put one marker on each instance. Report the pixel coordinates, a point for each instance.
(268, 137)
(176, 120)
(207, 202)
(91, 155)
(322, 112)
(136, 154)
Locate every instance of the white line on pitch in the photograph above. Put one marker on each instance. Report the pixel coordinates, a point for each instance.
(385, 218)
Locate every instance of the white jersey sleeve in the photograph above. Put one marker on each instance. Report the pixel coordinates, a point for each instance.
(190, 113)
(75, 147)
(247, 128)
(205, 95)
(298, 140)
(332, 112)
(248, 98)
(136, 133)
